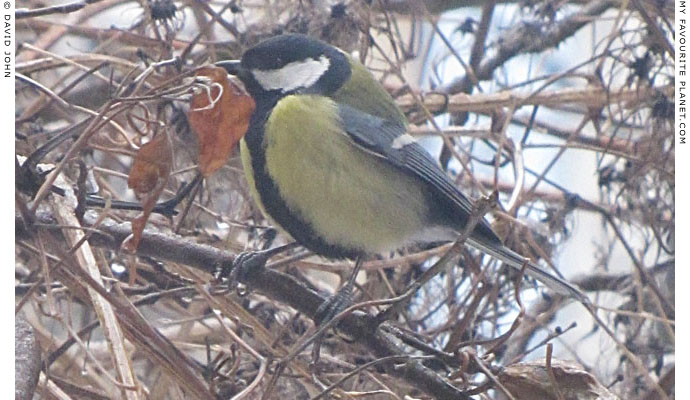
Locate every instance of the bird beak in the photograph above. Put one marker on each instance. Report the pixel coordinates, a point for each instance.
(232, 66)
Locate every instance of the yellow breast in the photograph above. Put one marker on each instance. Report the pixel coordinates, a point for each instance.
(349, 197)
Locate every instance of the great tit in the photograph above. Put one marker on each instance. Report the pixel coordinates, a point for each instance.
(328, 158)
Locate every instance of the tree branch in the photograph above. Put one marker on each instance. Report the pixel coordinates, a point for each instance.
(530, 38)
(276, 285)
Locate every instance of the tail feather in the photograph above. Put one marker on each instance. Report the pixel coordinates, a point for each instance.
(517, 261)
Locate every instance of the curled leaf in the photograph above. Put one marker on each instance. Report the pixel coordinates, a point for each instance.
(219, 119)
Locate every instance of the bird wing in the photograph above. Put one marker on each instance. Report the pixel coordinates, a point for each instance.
(390, 141)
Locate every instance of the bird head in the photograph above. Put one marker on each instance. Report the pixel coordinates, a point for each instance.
(289, 64)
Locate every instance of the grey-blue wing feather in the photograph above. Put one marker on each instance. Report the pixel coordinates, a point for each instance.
(377, 135)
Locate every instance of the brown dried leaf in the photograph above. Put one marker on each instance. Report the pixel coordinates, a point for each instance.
(148, 177)
(220, 127)
(530, 381)
(152, 164)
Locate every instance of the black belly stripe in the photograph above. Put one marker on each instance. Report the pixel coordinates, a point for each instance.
(274, 205)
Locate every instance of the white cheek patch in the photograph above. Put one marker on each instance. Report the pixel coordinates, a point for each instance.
(295, 75)
(402, 141)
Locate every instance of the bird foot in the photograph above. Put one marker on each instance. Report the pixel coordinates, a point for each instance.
(237, 273)
(334, 305)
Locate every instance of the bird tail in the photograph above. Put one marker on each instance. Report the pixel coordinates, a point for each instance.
(508, 256)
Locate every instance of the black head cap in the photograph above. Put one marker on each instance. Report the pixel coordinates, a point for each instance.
(293, 63)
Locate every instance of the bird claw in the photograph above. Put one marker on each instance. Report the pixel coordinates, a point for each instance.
(242, 267)
(247, 263)
(334, 305)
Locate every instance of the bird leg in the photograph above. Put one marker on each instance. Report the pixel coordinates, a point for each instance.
(341, 300)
